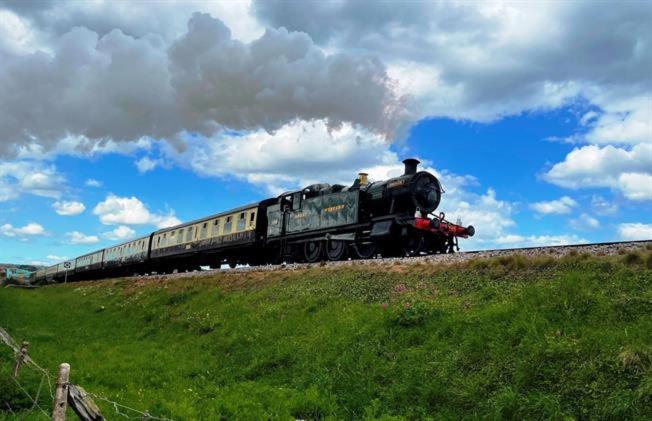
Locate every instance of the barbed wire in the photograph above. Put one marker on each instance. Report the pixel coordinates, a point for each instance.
(117, 405)
(7, 339)
(34, 401)
(45, 375)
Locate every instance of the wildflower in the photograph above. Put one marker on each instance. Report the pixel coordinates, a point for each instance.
(400, 288)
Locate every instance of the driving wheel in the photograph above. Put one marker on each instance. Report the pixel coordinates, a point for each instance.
(335, 250)
(312, 251)
(365, 251)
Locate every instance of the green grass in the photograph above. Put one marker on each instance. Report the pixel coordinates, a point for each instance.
(506, 338)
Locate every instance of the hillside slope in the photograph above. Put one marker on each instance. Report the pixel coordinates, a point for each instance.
(509, 337)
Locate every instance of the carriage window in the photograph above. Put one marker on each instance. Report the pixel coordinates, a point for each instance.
(204, 230)
(180, 237)
(227, 225)
(241, 222)
(216, 228)
(252, 216)
(189, 234)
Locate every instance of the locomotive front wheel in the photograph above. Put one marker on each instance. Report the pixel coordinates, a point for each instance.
(312, 251)
(335, 250)
(413, 245)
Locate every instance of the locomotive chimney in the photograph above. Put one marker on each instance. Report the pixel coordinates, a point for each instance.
(411, 166)
(364, 178)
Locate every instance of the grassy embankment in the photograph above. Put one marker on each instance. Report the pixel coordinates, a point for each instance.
(501, 338)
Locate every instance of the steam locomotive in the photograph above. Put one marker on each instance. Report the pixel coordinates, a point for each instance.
(387, 218)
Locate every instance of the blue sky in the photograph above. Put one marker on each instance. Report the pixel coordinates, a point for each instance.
(115, 122)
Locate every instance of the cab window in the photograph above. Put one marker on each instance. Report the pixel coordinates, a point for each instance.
(296, 200)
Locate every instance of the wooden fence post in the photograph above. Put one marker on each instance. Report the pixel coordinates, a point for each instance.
(61, 393)
(21, 357)
(83, 404)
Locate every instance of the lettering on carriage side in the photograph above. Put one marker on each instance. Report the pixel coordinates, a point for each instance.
(299, 215)
(334, 208)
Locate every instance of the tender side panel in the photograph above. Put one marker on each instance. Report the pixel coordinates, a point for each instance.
(327, 211)
(232, 229)
(340, 209)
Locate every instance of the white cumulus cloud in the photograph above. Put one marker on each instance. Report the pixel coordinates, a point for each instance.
(146, 164)
(91, 182)
(635, 231)
(116, 210)
(636, 186)
(625, 170)
(76, 237)
(513, 241)
(29, 177)
(584, 222)
(120, 233)
(556, 207)
(68, 208)
(602, 206)
(30, 229)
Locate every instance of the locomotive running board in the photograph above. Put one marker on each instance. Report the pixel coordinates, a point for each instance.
(327, 237)
(341, 237)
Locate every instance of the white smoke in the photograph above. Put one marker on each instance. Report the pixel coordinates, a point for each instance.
(118, 87)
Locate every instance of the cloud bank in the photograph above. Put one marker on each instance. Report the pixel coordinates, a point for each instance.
(118, 87)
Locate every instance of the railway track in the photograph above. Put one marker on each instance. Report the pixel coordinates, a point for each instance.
(605, 248)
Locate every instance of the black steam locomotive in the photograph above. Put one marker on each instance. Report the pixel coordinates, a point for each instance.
(320, 222)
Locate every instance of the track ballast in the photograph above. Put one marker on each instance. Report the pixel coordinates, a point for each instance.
(556, 251)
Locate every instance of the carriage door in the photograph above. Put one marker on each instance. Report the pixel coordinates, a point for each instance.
(274, 221)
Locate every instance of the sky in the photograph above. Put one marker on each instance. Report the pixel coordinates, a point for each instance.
(119, 118)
